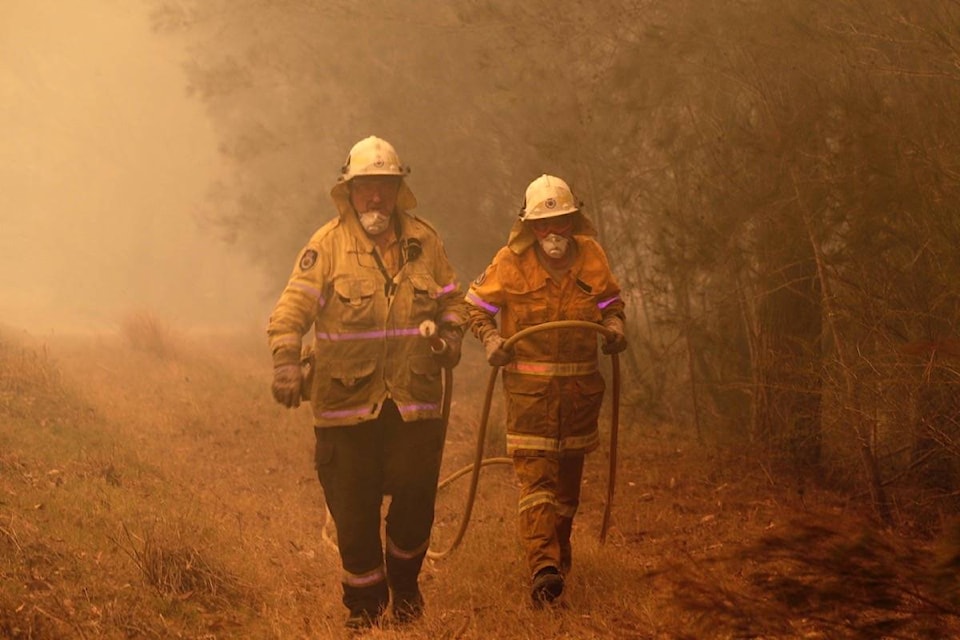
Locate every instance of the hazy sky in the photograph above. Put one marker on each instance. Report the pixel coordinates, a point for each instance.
(103, 161)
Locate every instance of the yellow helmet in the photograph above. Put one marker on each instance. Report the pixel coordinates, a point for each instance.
(372, 156)
(548, 197)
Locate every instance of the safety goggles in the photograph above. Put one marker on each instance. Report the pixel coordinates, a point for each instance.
(558, 225)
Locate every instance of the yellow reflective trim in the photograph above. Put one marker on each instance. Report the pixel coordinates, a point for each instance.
(557, 369)
(517, 442)
(536, 499)
(580, 442)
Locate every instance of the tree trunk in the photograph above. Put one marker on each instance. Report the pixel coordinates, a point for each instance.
(789, 314)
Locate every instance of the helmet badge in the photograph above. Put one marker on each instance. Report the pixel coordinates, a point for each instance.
(550, 203)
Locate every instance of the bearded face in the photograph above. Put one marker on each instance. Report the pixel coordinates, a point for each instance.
(374, 199)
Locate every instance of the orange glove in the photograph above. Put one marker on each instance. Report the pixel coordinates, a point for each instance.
(497, 356)
(616, 341)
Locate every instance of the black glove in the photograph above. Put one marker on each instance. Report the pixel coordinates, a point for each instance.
(449, 355)
(287, 381)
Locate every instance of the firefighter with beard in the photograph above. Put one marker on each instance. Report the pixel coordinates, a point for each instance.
(552, 269)
(364, 284)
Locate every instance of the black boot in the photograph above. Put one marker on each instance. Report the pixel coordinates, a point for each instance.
(402, 575)
(547, 586)
(366, 605)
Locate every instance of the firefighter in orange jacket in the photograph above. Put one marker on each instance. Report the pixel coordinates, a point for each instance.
(551, 269)
(365, 282)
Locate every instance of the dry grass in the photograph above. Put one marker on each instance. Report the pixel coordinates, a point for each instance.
(145, 331)
(177, 568)
(162, 494)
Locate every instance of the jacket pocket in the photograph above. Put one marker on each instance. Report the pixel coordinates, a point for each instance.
(583, 306)
(530, 407)
(423, 301)
(586, 399)
(346, 381)
(425, 378)
(355, 300)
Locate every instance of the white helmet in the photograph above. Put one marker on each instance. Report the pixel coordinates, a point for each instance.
(372, 156)
(548, 197)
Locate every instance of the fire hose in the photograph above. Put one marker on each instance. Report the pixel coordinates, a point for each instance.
(428, 331)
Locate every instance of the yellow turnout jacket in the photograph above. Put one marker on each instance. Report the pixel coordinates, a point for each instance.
(367, 346)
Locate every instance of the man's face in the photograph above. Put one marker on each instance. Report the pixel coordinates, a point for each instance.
(554, 234)
(374, 194)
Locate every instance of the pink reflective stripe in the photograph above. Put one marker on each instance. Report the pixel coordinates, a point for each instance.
(447, 289)
(413, 408)
(368, 335)
(366, 579)
(450, 318)
(603, 304)
(346, 413)
(531, 367)
(477, 301)
(397, 552)
(528, 367)
(313, 292)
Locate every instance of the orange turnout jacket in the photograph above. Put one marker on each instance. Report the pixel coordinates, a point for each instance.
(553, 386)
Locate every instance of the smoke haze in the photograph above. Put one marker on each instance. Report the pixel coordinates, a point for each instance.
(103, 164)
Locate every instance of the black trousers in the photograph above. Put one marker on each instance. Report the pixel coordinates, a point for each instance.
(358, 466)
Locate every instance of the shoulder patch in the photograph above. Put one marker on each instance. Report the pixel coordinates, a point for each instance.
(480, 278)
(308, 259)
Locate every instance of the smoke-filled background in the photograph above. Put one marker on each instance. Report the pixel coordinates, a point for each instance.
(105, 162)
(775, 184)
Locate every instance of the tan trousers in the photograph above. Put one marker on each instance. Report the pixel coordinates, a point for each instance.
(549, 497)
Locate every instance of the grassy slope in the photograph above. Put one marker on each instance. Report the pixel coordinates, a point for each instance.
(157, 492)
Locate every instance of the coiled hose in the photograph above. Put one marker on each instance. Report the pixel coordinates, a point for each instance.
(479, 461)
